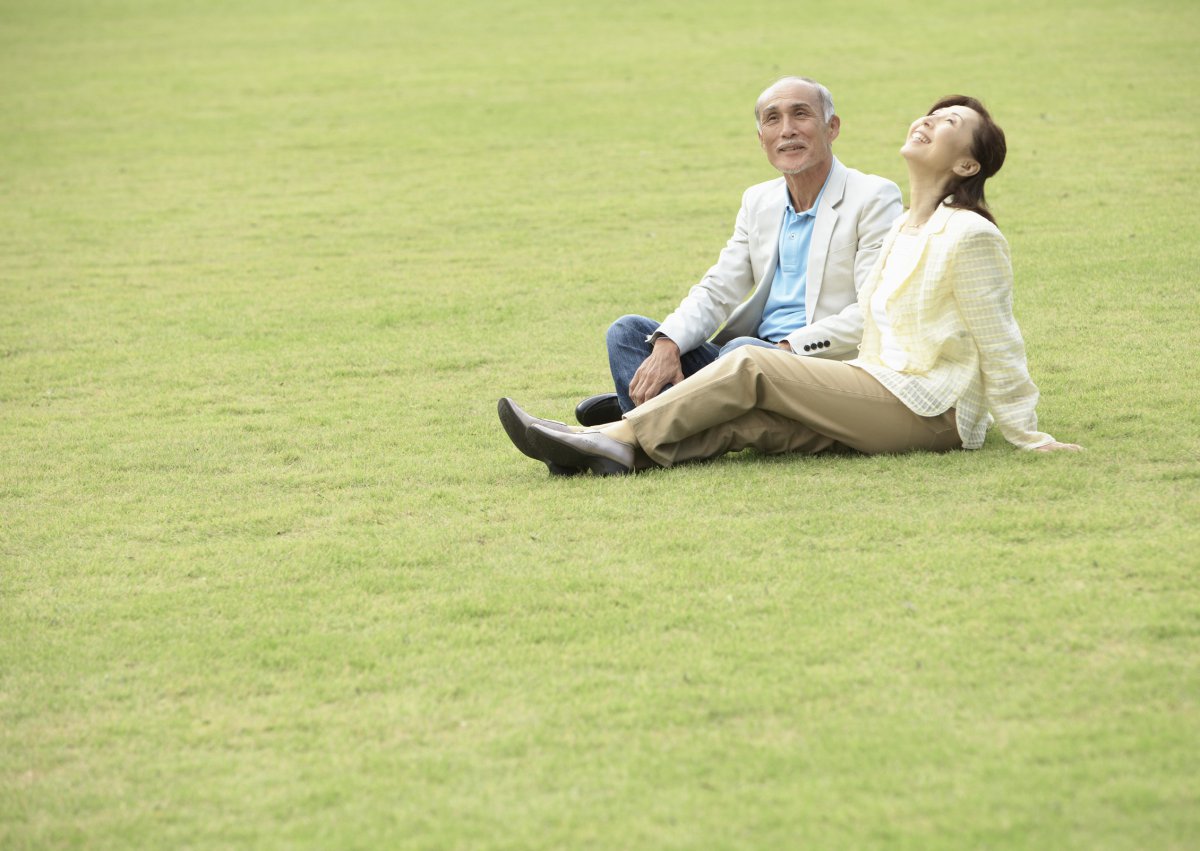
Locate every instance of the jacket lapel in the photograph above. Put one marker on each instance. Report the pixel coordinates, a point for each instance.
(936, 224)
(827, 215)
(767, 221)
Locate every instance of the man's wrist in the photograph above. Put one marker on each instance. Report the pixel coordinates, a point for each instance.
(662, 341)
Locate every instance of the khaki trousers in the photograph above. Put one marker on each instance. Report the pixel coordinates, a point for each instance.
(775, 401)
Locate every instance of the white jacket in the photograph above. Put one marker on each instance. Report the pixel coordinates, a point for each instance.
(856, 210)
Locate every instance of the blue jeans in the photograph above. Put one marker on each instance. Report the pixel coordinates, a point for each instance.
(627, 348)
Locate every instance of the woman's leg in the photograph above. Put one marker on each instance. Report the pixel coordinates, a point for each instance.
(764, 431)
(816, 403)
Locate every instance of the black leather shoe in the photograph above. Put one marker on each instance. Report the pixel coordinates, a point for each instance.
(516, 425)
(598, 410)
(589, 449)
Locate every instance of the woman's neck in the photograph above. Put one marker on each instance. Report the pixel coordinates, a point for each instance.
(925, 195)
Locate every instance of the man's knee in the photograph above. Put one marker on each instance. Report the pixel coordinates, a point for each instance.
(630, 329)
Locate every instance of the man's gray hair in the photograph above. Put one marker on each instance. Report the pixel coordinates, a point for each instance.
(822, 92)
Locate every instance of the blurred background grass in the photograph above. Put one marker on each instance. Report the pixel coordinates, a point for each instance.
(272, 575)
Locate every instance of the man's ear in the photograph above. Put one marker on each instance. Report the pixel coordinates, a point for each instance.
(835, 127)
(966, 168)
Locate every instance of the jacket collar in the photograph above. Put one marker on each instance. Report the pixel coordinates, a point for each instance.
(835, 185)
(937, 222)
(835, 189)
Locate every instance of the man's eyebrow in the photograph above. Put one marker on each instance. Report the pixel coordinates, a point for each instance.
(777, 106)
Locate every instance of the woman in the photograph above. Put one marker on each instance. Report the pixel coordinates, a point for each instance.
(941, 356)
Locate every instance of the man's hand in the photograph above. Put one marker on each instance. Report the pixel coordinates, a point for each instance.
(657, 371)
(785, 345)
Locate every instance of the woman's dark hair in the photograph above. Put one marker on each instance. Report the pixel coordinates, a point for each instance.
(987, 148)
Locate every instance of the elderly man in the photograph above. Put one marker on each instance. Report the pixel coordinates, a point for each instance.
(789, 277)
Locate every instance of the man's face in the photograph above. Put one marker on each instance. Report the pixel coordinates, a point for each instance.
(792, 128)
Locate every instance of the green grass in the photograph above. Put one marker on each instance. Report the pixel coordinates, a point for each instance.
(272, 576)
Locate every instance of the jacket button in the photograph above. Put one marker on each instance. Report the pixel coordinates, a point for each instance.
(807, 348)
(826, 344)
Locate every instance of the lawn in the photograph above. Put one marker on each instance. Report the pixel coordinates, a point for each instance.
(272, 576)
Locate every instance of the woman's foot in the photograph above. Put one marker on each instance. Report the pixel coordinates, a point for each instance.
(590, 450)
(516, 425)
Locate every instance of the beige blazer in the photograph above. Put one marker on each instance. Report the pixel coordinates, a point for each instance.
(855, 212)
(953, 320)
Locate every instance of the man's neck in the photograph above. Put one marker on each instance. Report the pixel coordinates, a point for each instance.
(803, 188)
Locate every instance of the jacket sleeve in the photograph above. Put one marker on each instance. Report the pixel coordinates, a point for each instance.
(839, 334)
(711, 301)
(983, 284)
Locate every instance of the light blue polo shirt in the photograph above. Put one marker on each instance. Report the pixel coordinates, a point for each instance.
(784, 311)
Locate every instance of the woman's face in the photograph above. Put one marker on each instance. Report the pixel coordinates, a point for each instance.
(941, 141)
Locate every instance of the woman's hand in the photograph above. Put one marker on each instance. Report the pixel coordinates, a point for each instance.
(1056, 447)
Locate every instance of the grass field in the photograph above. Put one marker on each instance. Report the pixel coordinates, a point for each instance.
(272, 576)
